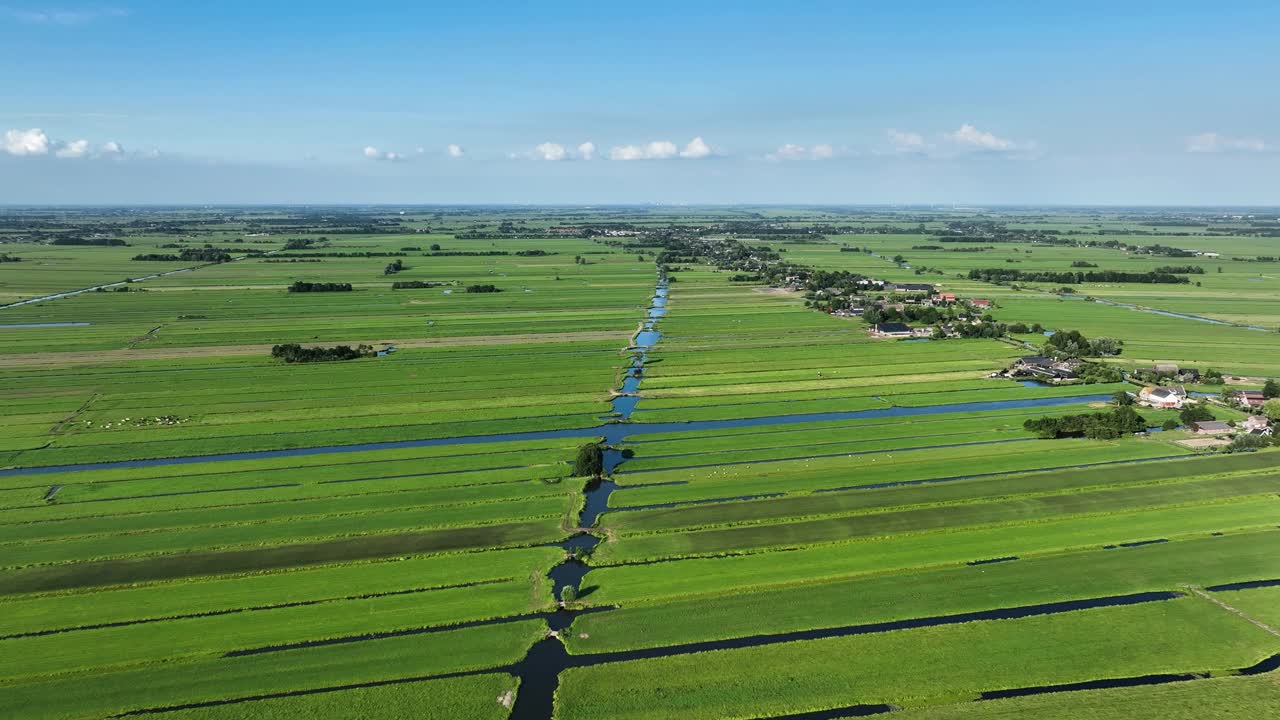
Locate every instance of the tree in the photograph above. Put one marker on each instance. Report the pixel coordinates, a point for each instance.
(568, 594)
(1169, 424)
(1271, 389)
(435, 247)
(1104, 346)
(1195, 413)
(589, 462)
(1122, 398)
(1271, 409)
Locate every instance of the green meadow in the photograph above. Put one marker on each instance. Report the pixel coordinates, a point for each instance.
(802, 518)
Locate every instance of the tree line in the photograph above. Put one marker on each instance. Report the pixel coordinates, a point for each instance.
(998, 275)
(295, 353)
(302, 287)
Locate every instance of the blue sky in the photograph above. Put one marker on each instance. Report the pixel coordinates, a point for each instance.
(695, 102)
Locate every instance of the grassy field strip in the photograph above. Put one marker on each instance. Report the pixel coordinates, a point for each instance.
(849, 369)
(317, 464)
(300, 440)
(929, 593)
(188, 597)
(171, 640)
(472, 697)
(948, 664)
(1019, 510)
(282, 532)
(1260, 604)
(760, 395)
(786, 455)
(861, 470)
(622, 584)
(910, 425)
(795, 387)
(445, 471)
(215, 679)
(43, 578)
(914, 496)
(45, 526)
(1245, 697)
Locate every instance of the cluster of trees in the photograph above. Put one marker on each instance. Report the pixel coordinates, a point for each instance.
(589, 461)
(295, 353)
(414, 284)
(1180, 269)
(97, 242)
(462, 253)
(4, 258)
(205, 254)
(1073, 344)
(298, 243)
(483, 289)
(302, 286)
(532, 253)
(393, 268)
(367, 254)
(999, 275)
(1083, 264)
(1098, 426)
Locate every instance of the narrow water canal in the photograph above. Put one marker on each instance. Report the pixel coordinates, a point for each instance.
(540, 670)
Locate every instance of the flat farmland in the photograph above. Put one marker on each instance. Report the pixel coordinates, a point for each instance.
(619, 462)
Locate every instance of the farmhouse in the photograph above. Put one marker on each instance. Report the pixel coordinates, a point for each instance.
(891, 330)
(1043, 367)
(1162, 397)
(1256, 425)
(1250, 399)
(980, 303)
(1210, 427)
(912, 288)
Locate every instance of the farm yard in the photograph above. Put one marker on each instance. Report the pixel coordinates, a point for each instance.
(635, 463)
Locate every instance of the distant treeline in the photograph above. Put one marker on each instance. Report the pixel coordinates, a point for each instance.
(414, 285)
(302, 287)
(292, 260)
(9, 258)
(1068, 278)
(97, 242)
(345, 254)
(466, 253)
(1098, 426)
(212, 255)
(1181, 269)
(483, 289)
(295, 353)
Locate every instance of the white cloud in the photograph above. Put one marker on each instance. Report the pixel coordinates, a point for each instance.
(792, 151)
(112, 148)
(550, 151)
(26, 142)
(695, 149)
(906, 141)
(587, 150)
(971, 137)
(661, 150)
(370, 151)
(1212, 142)
(454, 151)
(392, 156)
(73, 149)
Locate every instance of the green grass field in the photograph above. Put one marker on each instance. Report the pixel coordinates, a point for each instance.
(385, 537)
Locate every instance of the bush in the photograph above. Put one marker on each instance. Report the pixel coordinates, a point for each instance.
(1098, 426)
(483, 289)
